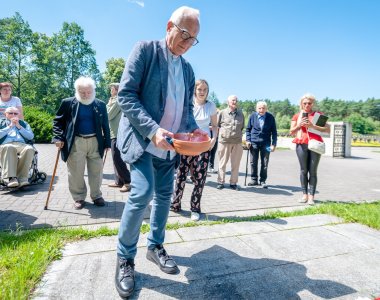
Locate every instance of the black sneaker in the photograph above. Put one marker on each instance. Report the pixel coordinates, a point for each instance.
(220, 186)
(125, 277)
(253, 183)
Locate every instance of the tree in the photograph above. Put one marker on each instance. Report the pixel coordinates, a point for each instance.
(114, 70)
(77, 55)
(284, 108)
(214, 98)
(45, 80)
(112, 74)
(16, 39)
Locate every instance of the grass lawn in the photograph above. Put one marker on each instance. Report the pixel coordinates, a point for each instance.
(25, 254)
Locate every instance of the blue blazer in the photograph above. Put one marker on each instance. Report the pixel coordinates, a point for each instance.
(65, 126)
(142, 97)
(267, 135)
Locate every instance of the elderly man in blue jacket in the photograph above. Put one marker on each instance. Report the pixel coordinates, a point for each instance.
(261, 137)
(16, 153)
(156, 99)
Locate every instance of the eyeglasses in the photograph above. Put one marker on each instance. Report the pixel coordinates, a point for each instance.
(307, 103)
(185, 35)
(12, 113)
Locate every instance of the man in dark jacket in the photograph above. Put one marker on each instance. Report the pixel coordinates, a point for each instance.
(82, 132)
(261, 137)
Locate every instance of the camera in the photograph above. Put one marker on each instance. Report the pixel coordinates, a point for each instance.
(305, 115)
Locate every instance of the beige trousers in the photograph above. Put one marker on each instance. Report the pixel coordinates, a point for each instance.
(225, 151)
(85, 150)
(16, 159)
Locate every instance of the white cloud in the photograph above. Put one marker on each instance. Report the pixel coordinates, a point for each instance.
(139, 3)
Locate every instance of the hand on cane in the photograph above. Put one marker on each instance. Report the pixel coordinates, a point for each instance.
(60, 144)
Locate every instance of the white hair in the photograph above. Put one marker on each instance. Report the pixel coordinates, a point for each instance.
(184, 12)
(84, 82)
(261, 103)
(11, 108)
(231, 97)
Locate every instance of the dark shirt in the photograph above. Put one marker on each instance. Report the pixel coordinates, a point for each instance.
(85, 119)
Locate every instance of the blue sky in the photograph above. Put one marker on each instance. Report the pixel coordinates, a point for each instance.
(274, 49)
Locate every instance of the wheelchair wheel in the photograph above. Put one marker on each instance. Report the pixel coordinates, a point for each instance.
(41, 177)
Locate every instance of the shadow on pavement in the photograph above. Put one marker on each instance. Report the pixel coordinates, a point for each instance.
(14, 220)
(29, 189)
(217, 273)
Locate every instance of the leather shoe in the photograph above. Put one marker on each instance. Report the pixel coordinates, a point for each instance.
(253, 183)
(220, 186)
(99, 201)
(126, 188)
(159, 256)
(115, 185)
(79, 204)
(125, 277)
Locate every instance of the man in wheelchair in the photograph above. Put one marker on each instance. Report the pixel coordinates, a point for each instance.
(16, 151)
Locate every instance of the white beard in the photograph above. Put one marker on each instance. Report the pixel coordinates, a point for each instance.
(85, 101)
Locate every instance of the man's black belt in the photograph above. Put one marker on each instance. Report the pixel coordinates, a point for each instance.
(87, 136)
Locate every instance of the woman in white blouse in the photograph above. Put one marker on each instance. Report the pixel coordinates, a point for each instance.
(7, 100)
(205, 113)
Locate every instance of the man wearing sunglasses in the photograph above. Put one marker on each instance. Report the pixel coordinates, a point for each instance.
(16, 153)
(156, 99)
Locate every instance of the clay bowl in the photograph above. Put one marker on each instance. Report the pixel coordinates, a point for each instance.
(190, 144)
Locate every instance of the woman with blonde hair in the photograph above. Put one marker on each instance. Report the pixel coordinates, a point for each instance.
(308, 159)
(204, 113)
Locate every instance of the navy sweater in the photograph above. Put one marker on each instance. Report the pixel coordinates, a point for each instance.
(266, 135)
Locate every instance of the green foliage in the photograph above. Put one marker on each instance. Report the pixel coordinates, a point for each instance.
(214, 98)
(114, 70)
(361, 124)
(78, 57)
(41, 123)
(283, 121)
(15, 52)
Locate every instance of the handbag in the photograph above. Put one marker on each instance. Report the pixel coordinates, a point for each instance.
(316, 146)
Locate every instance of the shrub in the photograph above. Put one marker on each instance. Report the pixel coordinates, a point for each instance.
(41, 123)
(361, 124)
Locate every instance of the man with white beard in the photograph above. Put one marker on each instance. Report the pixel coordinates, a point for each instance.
(82, 132)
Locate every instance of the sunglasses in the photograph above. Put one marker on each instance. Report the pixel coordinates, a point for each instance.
(307, 103)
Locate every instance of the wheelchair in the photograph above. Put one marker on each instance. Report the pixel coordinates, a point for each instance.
(34, 176)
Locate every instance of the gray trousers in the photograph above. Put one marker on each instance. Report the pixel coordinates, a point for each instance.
(85, 151)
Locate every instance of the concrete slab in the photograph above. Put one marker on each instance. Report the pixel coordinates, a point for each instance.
(359, 233)
(322, 262)
(301, 244)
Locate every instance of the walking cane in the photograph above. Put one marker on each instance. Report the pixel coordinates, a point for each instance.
(52, 178)
(105, 156)
(246, 168)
